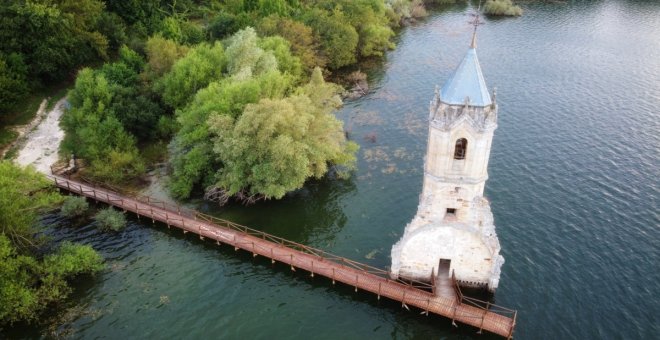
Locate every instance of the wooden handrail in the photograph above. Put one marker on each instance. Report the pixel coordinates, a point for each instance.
(177, 210)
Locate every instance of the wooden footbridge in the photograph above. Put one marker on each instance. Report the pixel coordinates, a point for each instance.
(432, 298)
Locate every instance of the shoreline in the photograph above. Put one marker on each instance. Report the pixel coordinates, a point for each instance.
(39, 144)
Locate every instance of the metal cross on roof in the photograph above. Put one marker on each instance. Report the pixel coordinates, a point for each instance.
(475, 22)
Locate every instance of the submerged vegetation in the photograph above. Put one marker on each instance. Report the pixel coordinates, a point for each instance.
(110, 219)
(74, 206)
(32, 278)
(502, 7)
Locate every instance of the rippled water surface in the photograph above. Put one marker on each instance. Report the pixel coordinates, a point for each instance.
(574, 187)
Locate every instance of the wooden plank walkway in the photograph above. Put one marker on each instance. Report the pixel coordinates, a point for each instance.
(482, 315)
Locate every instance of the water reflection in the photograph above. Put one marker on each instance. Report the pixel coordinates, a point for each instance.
(574, 187)
(312, 215)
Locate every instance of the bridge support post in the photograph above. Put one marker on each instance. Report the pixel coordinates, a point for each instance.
(481, 326)
(312, 271)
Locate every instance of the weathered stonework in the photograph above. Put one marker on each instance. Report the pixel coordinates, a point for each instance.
(453, 219)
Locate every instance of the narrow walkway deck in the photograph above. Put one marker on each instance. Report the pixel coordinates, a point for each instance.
(482, 315)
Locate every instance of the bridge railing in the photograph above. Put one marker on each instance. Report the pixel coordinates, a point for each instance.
(486, 306)
(312, 251)
(190, 213)
(119, 194)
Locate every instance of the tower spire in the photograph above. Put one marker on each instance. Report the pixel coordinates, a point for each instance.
(476, 22)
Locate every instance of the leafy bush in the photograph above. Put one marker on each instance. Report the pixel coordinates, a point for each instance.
(29, 285)
(74, 206)
(19, 211)
(502, 7)
(73, 259)
(278, 144)
(202, 65)
(13, 80)
(110, 219)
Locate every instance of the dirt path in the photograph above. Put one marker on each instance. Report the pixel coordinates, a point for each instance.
(40, 145)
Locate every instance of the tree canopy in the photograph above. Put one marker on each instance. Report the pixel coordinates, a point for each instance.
(182, 69)
(29, 284)
(277, 144)
(93, 131)
(24, 194)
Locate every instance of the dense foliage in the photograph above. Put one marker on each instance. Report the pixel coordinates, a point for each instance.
(44, 40)
(502, 7)
(277, 144)
(74, 206)
(30, 283)
(235, 87)
(47, 40)
(110, 110)
(24, 193)
(110, 219)
(198, 76)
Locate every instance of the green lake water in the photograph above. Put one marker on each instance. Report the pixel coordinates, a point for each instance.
(574, 188)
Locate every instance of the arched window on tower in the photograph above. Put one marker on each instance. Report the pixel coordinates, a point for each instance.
(461, 148)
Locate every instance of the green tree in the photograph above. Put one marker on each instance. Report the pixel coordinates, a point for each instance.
(375, 40)
(95, 134)
(502, 7)
(304, 43)
(339, 40)
(110, 219)
(171, 29)
(276, 145)
(136, 111)
(28, 286)
(202, 65)
(371, 19)
(13, 80)
(74, 206)
(24, 193)
(161, 55)
(111, 26)
(130, 103)
(281, 49)
(53, 36)
(222, 25)
(268, 7)
(191, 153)
(245, 58)
(146, 12)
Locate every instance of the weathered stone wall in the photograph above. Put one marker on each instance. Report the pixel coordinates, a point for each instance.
(465, 235)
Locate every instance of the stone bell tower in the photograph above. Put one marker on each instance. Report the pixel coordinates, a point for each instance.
(453, 221)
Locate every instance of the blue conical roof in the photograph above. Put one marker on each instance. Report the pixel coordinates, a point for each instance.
(467, 81)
